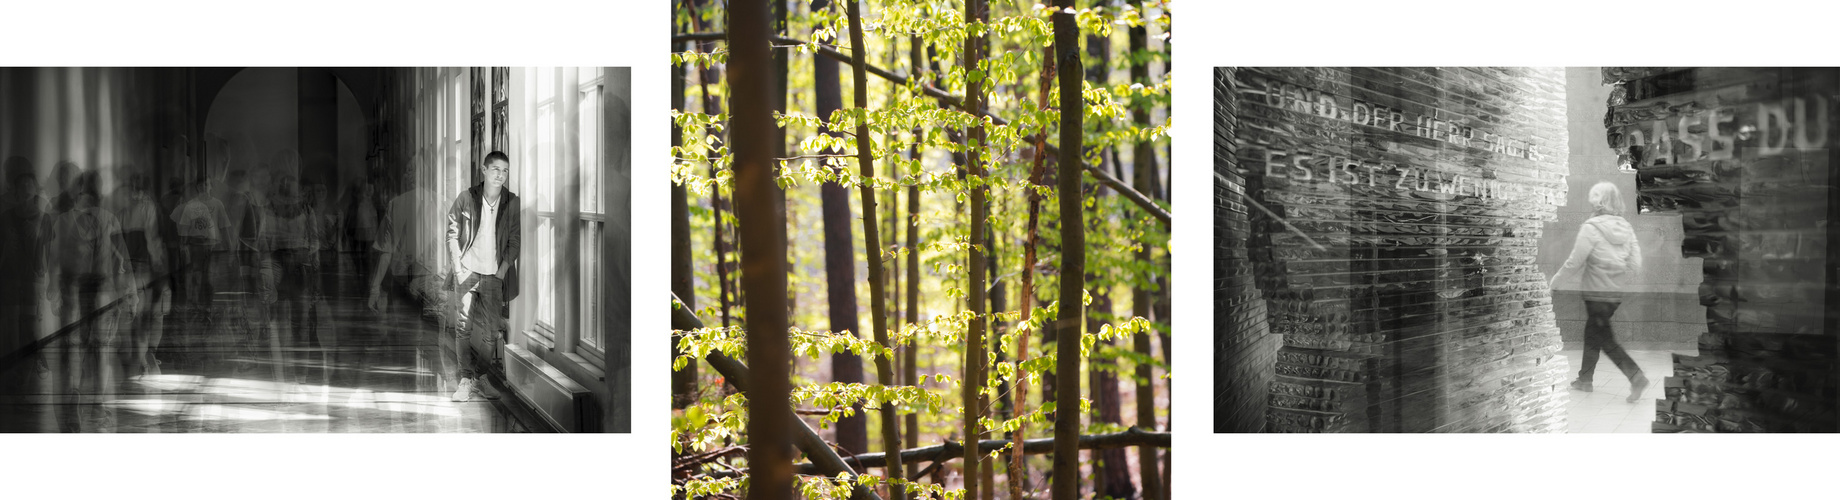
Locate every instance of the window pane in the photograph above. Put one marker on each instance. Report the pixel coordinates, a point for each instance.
(459, 107)
(546, 158)
(527, 129)
(546, 267)
(589, 114)
(591, 284)
(546, 84)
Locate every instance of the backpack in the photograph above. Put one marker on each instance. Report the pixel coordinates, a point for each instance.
(83, 244)
(198, 223)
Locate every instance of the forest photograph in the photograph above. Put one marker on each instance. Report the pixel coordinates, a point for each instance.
(920, 249)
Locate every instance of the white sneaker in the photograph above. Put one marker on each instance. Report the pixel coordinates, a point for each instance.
(465, 392)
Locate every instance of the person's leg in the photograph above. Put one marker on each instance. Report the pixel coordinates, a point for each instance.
(484, 324)
(455, 370)
(135, 331)
(160, 304)
(198, 288)
(1615, 351)
(487, 322)
(92, 377)
(104, 327)
(1594, 332)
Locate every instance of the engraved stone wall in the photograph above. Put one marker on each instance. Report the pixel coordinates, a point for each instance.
(1395, 218)
(1245, 350)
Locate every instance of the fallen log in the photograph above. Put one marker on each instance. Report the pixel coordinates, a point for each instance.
(949, 450)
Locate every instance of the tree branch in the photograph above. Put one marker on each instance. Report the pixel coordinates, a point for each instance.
(735, 373)
(1126, 191)
(947, 99)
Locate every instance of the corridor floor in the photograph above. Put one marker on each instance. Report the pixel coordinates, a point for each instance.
(1606, 409)
(219, 372)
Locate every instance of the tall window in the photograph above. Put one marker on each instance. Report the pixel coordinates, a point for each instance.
(592, 219)
(561, 109)
(544, 95)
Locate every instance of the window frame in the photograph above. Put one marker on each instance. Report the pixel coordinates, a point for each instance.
(589, 289)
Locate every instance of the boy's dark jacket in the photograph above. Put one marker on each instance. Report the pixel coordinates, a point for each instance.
(463, 225)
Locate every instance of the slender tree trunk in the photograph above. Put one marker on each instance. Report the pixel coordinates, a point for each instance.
(1073, 255)
(997, 304)
(1018, 473)
(761, 209)
(713, 105)
(683, 382)
(878, 301)
(974, 338)
(782, 70)
(910, 360)
(1143, 165)
(839, 252)
(1162, 316)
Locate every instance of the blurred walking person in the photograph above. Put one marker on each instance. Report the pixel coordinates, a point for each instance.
(364, 214)
(1606, 256)
(293, 237)
(202, 227)
(23, 213)
(92, 261)
(140, 224)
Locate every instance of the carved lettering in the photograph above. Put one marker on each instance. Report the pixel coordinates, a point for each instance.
(1807, 136)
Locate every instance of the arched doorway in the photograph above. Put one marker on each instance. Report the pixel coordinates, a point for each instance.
(274, 121)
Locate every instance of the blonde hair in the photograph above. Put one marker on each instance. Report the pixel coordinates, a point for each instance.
(1606, 199)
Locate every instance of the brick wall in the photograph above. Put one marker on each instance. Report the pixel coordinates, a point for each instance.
(1396, 215)
(1244, 349)
(1745, 157)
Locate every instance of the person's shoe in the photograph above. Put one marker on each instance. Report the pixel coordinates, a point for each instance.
(484, 389)
(1636, 386)
(465, 392)
(1581, 385)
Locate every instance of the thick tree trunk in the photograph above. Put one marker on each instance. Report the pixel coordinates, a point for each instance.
(878, 301)
(761, 211)
(1143, 165)
(839, 253)
(683, 382)
(1073, 255)
(975, 351)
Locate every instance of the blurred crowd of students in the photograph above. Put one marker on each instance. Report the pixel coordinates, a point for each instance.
(90, 277)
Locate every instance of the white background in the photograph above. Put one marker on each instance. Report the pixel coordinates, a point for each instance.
(1452, 33)
(375, 33)
(633, 33)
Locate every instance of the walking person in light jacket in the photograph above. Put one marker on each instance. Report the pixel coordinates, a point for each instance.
(1606, 255)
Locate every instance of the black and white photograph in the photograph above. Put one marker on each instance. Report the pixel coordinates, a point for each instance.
(1524, 250)
(315, 250)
